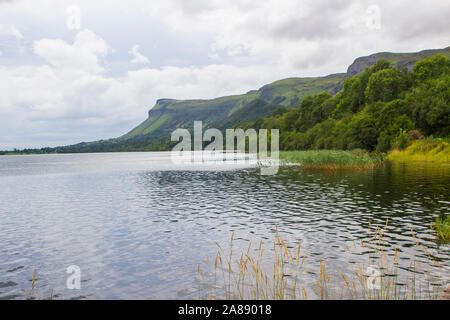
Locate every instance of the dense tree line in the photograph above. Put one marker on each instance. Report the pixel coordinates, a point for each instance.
(138, 143)
(374, 111)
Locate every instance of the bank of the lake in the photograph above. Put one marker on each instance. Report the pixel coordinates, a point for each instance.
(429, 150)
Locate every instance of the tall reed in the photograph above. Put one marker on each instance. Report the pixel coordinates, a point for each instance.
(31, 295)
(331, 159)
(250, 275)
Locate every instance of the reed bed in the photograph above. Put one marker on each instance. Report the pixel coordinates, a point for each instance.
(331, 159)
(249, 276)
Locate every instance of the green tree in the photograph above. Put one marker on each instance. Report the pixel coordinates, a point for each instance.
(430, 102)
(362, 132)
(384, 85)
(401, 141)
(431, 68)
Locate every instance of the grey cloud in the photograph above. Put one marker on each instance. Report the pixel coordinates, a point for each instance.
(322, 22)
(194, 7)
(422, 20)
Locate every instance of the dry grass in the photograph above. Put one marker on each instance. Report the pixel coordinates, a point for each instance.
(30, 294)
(247, 276)
(431, 150)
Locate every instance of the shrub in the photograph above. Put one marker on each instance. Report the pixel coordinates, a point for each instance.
(402, 141)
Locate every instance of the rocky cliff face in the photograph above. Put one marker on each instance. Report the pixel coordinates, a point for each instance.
(398, 60)
(160, 107)
(362, 63)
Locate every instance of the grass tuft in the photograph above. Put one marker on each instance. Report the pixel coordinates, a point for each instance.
(442, 226)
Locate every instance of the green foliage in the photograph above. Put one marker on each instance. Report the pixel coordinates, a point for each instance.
(430, 105)
(384, 85)
(362, 132)
(442, 226)
(324, 110)
(401, 141)
(289, 119)
(431, 68)
(309, 106)
(351, 98)
(374, 111)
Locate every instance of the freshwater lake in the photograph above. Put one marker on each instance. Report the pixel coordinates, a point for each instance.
(137, 225)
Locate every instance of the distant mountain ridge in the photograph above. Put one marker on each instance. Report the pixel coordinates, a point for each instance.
(227, 112)
(398, 60)
(169, 114)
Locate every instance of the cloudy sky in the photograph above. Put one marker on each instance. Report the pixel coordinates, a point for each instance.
(74, 71)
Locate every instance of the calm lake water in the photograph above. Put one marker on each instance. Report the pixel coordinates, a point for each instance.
(137, 226)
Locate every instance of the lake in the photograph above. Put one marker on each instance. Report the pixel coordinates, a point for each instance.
(137, 225)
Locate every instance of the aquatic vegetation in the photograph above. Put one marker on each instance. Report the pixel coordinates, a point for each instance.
(331, 159)
(430, 150)
(442, 227)
(251, 276)
(30, 294)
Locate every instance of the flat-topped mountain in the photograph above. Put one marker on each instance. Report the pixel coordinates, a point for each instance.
(227, 112)
(222, 112)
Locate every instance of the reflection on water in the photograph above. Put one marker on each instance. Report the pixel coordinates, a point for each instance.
(137, 226)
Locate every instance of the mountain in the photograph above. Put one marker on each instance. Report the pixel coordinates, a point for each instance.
(224, 112)
(398, 60)
(227, 112)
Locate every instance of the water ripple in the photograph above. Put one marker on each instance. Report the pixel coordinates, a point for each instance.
(137, 228)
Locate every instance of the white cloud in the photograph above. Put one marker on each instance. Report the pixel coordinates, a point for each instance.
(138, 58)
(83, 54)
(69, 100)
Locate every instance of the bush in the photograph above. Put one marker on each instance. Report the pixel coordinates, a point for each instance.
(402, 141)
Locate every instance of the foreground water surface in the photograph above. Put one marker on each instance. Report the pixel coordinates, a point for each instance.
(137, 226)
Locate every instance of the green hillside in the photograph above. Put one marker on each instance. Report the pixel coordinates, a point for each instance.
(227, 112)
(223, 112)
